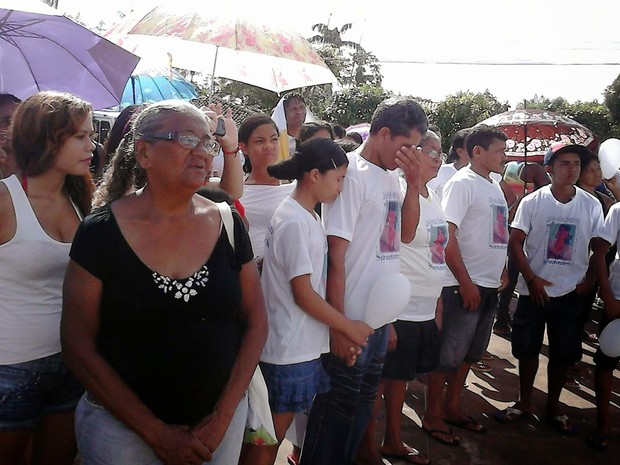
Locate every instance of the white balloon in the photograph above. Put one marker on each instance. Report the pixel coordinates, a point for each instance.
(387, 298)
(609, 156)
(609, 341)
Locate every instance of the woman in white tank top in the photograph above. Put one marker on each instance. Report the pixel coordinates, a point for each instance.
(40, 210)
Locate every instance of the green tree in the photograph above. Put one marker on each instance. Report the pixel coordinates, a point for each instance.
(593, 115)
(354, 105)
(464, 110)
(327, 36)
(612, 100)
(350, 63)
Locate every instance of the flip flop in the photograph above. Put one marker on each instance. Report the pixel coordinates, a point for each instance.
(598, 441)
(510, 414)
(433, 433)
(469, 424)
(563, 425)
(409, 457)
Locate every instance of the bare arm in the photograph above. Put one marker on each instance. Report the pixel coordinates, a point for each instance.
(535, 284)
(232, 173)
(468, 290)
(597, 262)
(211, 430)
(314, 305)
(341, 345)
(174, 445)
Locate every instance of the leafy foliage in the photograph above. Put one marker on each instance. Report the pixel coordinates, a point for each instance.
(354, 104)
(593, 115)
(612, 99)
(464, 110)
(328, 36)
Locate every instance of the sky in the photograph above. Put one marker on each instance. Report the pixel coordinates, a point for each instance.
(437, 48)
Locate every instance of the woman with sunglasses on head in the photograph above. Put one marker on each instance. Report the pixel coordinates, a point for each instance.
(40, 209)
(163, 319)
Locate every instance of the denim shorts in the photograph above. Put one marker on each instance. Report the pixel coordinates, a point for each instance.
(465, 334)
(563, 318)
(292, 387)
(416, 352)
(29, 390)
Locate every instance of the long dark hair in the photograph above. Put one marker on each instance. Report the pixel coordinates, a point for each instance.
(41, 125)
(247, 128)
(320, 154)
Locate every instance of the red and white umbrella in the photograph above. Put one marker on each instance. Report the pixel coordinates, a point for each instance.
(531, 132)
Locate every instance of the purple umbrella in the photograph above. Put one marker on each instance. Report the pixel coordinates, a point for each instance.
(48, 51)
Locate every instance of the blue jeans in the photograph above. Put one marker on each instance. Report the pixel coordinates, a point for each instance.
(338, 418)
(103, 440)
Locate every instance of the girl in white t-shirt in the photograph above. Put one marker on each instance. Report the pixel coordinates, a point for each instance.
(293, 280)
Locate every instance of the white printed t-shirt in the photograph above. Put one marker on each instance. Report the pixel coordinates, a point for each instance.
(367, 214)
(259, 202)
(445, 172)
(558, 235)
(423, 260)
(611, 233)
(295, 245)
(477, 207)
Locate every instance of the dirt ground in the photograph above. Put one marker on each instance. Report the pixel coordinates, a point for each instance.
(530, 442)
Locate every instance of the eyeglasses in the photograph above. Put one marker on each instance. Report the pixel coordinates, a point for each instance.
(188, 141)
(434, 154)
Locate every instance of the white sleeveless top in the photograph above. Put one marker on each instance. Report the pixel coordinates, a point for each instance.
(32, 268)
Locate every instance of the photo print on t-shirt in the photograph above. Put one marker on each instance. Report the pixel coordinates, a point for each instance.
(499, 226)
(560, 242)
(438, 235)
(389, 242)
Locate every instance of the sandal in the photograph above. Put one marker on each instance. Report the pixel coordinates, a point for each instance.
(563, 425)
(481, 366)
(408, 455)
(510, 414)
(436, 435)
(469, 424)
(598, 441)
(571, 383)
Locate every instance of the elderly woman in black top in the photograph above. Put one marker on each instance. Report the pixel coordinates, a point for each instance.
(163, 319)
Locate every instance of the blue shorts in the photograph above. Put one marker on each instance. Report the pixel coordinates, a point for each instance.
(292, 387)
(563, 318)
(465, 334)
(32, 389)
(416, 352)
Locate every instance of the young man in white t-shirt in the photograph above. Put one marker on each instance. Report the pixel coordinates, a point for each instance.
(477, 216)
(364, 227)
(550, 243)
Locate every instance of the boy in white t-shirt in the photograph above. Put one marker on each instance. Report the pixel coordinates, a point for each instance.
(550, 244)
(477, 216)
(364, 228)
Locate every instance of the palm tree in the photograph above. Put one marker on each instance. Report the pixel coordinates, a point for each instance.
(333, 36)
